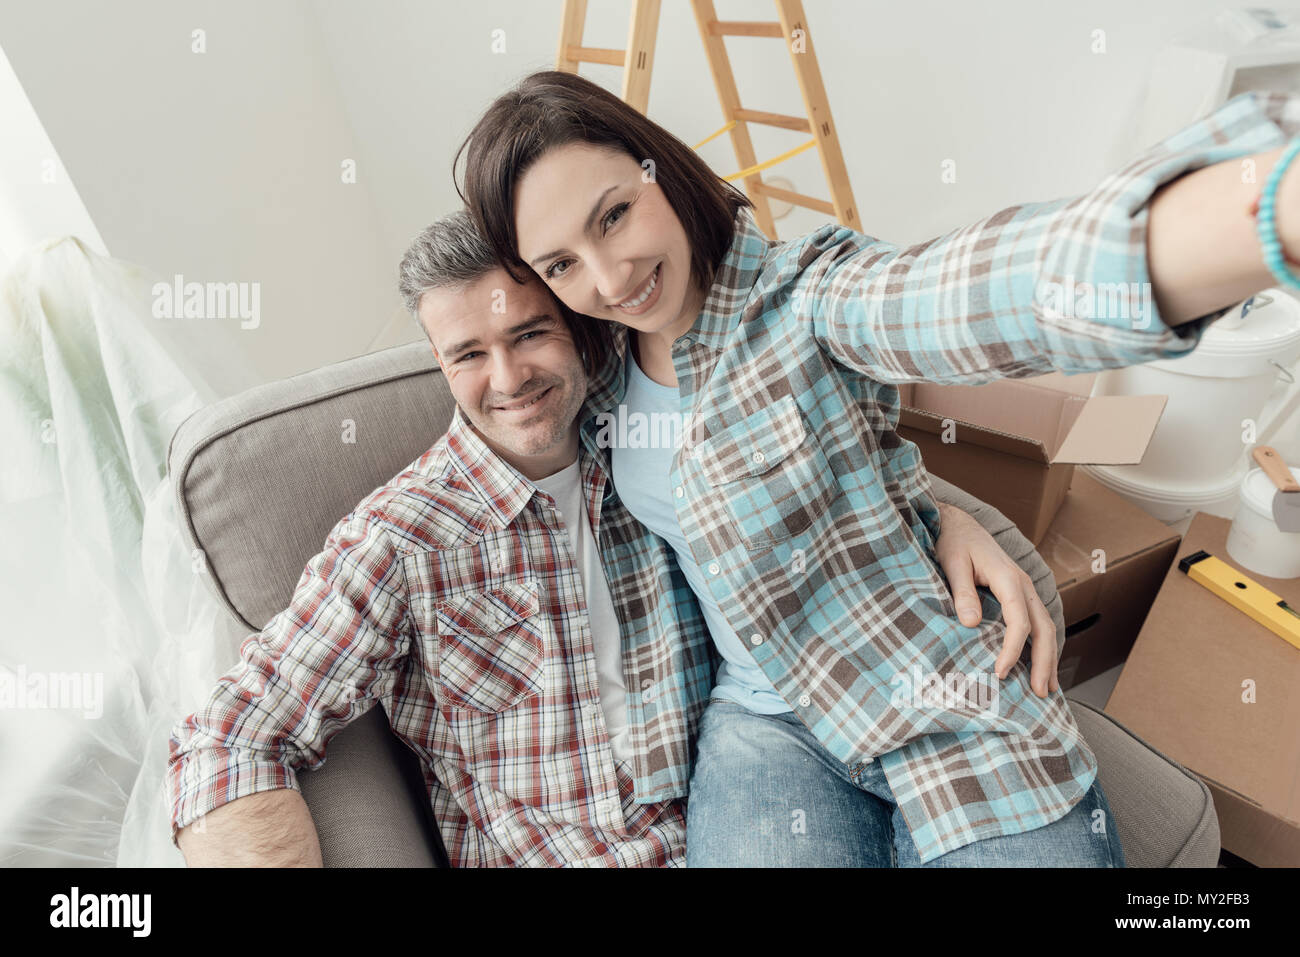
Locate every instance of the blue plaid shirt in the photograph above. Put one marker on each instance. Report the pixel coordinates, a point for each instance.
(814, 520)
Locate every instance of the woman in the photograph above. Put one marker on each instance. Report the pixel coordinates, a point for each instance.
(803, 522)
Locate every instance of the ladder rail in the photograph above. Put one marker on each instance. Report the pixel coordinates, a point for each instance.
(812, 88)
(572, 21)
(637, 60)
(715, 51)
(641, 36)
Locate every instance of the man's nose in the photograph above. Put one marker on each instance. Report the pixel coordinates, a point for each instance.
(509, 373)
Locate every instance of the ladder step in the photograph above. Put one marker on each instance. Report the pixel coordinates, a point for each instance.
(797, 123)
(744, 28)
(799, 199)
(596, 55)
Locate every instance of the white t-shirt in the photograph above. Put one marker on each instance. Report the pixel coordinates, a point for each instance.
(565, 487)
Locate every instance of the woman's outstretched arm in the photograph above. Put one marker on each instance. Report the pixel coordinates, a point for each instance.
(1131, 271)
(1203, 252)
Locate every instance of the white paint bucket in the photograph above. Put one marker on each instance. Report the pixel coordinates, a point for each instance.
(1254, 541)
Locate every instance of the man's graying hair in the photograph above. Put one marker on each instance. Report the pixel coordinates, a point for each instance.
(451, 252)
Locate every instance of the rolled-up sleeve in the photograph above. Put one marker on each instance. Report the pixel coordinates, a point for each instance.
(1036, 288)
(319, 664)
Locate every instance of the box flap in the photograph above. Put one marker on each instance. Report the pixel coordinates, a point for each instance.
(1111, 430)
(1049, 419)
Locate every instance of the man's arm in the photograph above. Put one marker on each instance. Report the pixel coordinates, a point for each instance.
(319, 664)
(267, 829)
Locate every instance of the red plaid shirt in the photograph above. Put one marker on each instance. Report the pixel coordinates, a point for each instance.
(450, 595)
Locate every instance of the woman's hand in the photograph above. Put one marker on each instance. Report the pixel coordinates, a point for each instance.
(970, 556)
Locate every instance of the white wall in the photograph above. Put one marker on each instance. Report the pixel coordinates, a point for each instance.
(37, 197)
(221, 166)
(225, 165)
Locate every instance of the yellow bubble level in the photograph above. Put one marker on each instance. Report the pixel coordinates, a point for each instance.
(1243, 593)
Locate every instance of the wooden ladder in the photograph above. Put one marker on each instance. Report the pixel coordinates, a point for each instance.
(637, 61)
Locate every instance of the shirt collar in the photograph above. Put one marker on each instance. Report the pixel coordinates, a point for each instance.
(733, 283)
(608, 385)
(503, 490)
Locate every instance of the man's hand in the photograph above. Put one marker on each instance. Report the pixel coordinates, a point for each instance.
(970, 556)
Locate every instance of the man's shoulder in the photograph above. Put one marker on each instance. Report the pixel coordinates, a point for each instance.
(429, 504)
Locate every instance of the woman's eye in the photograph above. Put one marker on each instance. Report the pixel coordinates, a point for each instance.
(620, 209)
(550, 270)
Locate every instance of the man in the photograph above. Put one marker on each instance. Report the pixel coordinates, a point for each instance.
(479, 596)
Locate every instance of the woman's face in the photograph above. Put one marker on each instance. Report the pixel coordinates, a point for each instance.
(606, 241)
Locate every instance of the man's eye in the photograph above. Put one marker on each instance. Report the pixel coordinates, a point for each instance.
(467, 355)
(550, 270)
(620, 209)
(525, 336)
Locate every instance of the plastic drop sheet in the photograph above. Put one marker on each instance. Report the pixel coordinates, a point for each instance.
(108, 633)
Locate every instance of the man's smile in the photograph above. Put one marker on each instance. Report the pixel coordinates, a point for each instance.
(523, 406)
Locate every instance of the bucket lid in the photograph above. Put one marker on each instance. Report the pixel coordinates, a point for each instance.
(1130, 479)
(1257, 490)
(1233, 347)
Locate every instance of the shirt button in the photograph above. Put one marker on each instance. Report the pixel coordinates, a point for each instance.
(759, 458)
(804, 701)
(679, 491)
(714, 568)
(755, 639)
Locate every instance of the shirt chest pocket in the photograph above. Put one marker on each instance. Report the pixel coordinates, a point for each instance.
(490, 647)
(770, 474)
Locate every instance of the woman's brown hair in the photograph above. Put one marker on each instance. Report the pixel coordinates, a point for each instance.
(550, 109)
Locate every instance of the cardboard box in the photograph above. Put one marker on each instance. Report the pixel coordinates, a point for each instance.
(1110, 559)
(1182, 691)
(1014, 443)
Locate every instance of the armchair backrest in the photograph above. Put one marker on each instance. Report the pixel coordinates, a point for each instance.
(261, 477)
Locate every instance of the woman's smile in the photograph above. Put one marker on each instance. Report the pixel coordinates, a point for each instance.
(646, 296)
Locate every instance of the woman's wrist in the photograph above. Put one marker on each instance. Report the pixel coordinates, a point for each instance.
(1285, 207)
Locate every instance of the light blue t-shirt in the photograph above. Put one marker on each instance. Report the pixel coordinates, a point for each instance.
(642, 465)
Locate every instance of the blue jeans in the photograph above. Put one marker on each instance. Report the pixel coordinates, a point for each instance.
(765, 793)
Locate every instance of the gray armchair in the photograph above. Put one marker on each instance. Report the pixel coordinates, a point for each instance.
(263, 476)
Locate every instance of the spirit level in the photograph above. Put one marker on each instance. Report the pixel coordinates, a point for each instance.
(1244, 594)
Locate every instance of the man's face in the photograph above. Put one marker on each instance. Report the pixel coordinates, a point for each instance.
(512, 368)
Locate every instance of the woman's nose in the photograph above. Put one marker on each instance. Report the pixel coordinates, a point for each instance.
(612, 278)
